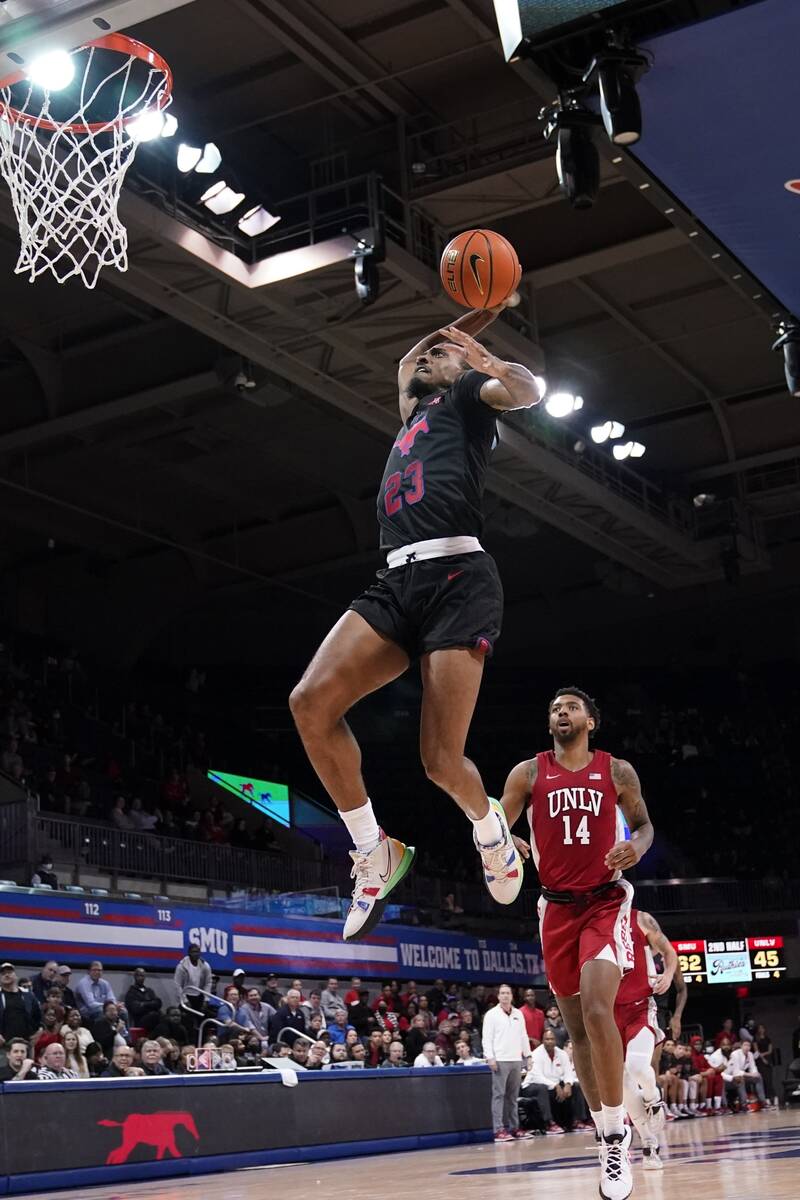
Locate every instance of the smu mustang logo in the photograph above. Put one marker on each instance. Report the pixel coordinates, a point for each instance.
(150, 1129)
(405, 443)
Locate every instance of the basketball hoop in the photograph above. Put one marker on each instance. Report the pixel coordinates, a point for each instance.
(64, 155)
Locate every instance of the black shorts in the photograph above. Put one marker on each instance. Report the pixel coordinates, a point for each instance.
(437, 604)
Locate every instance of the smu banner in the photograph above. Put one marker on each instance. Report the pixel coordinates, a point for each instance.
(125, 933)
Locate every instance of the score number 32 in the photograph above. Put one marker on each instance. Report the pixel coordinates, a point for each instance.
(393, 498)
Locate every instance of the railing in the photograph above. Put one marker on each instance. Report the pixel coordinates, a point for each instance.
(102, 848)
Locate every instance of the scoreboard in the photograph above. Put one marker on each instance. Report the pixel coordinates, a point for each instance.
(731, 960)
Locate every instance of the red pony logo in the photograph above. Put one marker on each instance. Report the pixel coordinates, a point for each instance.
(150, 1129)
(405, 443)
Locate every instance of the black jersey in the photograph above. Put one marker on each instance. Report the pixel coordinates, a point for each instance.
(433, 483)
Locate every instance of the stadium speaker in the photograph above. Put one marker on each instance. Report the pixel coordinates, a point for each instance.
(367, 278)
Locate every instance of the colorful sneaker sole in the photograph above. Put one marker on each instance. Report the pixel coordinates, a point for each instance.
(402, 869)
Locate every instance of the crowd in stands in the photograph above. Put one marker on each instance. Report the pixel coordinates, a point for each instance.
(52, 1027)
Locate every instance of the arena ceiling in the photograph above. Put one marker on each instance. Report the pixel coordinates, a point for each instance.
(134, 473)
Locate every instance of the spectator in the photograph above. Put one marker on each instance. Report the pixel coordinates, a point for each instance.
(74, 1058)
(552, 1070)
(410, 995)
(374, 1048)
(227, 1014)
(93, 992)
(416, 1037)
(298, 1055)
(359, 1013)
(255, 1015)
(386, 998)
(52, 1020)
(95, 1060)
(109, 1030)
(424, 1010)
(73, 1024)
(119, 817)
(385, 1019)
(172, 1054)
(141, 819)
(505, 1044)
(271, 995)
(358, 1053)
(338, 1055)
(171, 1026)
(332, 1001)
(239, 978)
(534, 1018)
(44, 876)
(396, 1057)
(192, 978)
(553, 1021)
(708, 1078)
(428, 1057)
(142, 1004)
(445, 1043)
(175, 790)
(20, 1015)
(747, 1032)
(152, 1057)
(436, 996)
(227, 1054)
(41, 983)
(313, 1007)
(727, 1031)
(469, 1028)
(351, 997)
(252, 1053)
(763, 1055)
(53, 1063)
(317, 1055)
(17, 1065)
(121, 1064)
(464, 1055)
(64, 976)
(744, 1074)
(339, 1028)
(288, 1016)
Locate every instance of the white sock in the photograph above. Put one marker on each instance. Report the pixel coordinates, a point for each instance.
(613, 1119)
(488, 830)
(718, 1102)
(634, 1102)
(597, 1117)
(362, 827)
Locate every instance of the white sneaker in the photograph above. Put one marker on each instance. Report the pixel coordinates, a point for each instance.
(376, 875)
(616, 1180)
(651, 1160)
(656, 1117)
(502, 864)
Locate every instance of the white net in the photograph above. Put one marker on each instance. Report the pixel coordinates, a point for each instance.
(64, 155)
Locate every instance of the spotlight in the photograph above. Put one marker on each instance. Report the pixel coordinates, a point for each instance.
(53, 71)
(609, 429)
(367, 278)
(617, 70)
(624, 450)
(703, 499)
(256, 221)
(577, 160)
(563, 404)
(789, 342)
(149, 125)
(203, 159)
(221, 199)
(170, 126)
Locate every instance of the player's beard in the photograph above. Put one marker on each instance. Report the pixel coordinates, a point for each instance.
(420, 387)
(567, 737)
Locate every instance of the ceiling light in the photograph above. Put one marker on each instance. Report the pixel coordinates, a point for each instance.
(693, 233)
(669, 210)
(609, 429)
(221, 199)
(210, 160)
(619, 103)
(624, 450)
(53, 71)
(702, 499)
(789, 342)
(541, 383)
(188, 157)
(148, 125)
(204, 160)
(616, 160)
(256, 221)
(170, 126)
(563, 404)
(643, 187)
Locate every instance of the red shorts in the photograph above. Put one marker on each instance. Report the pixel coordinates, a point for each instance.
(573, 935)
(632, 1018)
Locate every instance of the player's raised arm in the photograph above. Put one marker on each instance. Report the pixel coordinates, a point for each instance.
(660, 944)
(511, 386)
(629, 792)
(472, 322)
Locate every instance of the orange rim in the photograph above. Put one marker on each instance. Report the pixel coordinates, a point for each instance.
(110, 41)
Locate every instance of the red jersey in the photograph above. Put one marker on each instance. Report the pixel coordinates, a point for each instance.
(574, 820)
(638, 984)
(534, 1022)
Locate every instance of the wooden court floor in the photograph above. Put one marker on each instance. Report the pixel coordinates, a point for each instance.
(750, 1157)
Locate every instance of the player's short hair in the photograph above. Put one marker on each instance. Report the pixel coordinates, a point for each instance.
(588, 702)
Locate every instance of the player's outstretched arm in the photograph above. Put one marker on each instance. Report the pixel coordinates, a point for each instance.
(515, 796)
(629, 793)
(511, 386)
(659, 944)
(472, 322)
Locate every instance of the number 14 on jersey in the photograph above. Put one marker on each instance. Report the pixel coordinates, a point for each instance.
(579, 834)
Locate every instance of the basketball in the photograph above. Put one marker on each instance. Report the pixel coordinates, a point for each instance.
(479, 268)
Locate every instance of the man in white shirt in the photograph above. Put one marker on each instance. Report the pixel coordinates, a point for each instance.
(742, 1072)
(506, 1047)
(553, 1082)
(428, 1056)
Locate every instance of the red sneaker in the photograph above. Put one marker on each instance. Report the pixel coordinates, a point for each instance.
(553, 1128)
(520, 1135)
(503, 1135)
